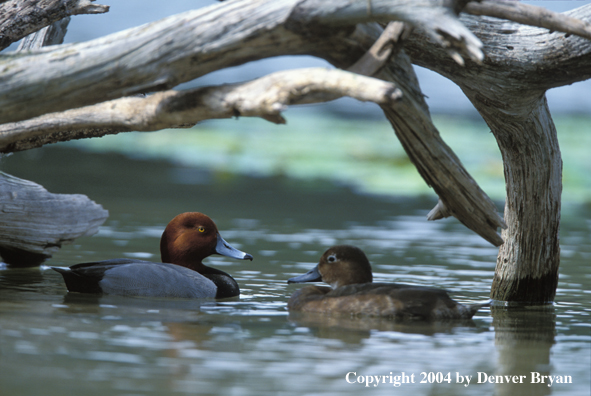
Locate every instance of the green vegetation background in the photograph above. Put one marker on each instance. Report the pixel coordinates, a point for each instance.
(362, 153)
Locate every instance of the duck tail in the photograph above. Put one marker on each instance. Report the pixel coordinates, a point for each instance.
(473, 308)
(76, 282)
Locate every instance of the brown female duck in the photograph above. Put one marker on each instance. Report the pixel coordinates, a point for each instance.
(348, 271)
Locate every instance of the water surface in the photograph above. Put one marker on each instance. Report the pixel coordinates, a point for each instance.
(55, 343)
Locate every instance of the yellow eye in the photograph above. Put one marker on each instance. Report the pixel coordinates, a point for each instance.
(201, 229)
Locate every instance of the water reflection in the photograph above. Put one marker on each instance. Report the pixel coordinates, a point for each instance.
(21, 279)
(355, 328)
(523, 338)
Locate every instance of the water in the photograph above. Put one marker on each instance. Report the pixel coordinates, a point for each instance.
(54, 343)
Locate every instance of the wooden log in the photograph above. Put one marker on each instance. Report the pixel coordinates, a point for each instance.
(34, 223)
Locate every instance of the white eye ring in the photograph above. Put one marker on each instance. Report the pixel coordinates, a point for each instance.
(332, 258)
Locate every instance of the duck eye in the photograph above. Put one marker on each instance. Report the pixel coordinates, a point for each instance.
(201, 229)
(332, 258)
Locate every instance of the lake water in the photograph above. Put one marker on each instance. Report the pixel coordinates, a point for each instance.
(55, 343)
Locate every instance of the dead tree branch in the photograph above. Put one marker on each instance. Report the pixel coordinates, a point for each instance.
(507, 87)
(527, 14)
(49, 35)
(265, 97)
(183, 47)
(381, 51)
(19, 18)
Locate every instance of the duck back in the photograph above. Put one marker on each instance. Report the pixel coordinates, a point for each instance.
(382, 299)
(126, 277)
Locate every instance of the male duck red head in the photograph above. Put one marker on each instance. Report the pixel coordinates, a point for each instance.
(347, 269)
(187, 240)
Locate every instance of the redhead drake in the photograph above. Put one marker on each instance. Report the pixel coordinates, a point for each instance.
(186, 241)
(348, 271)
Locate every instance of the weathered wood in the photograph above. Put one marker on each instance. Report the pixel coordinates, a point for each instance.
(35, 223)
(508, 90)
(527, 264)
(49, 35)
(20, 18)
(530, 14)
(265, 97)
(435, 161)
(381, 50)
(188, 45)
(436, 18)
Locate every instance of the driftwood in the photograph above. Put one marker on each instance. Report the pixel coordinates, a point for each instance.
(19, 18)
(265, 97)
(198, 43)
(526, 14)
(186, 46)
(504, 69)
(34, 223)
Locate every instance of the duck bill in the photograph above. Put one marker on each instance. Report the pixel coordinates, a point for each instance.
(225, 249)
(311, 276)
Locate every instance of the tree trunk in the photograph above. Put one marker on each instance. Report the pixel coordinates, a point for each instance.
(508, 90)
(528, 261)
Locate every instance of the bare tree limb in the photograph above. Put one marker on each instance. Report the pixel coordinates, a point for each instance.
(527, 58)
(437, 19)
(186, 46)
(381, 51)
(265, 97)
(19, 18)
(527, 14)
(434, 160)
(439, 212)
(49, 35)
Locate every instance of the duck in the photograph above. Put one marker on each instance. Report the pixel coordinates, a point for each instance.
(348, 271)
(188, 239)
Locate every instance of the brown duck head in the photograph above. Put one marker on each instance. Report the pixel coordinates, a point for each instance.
(339, 266)
(190, 237)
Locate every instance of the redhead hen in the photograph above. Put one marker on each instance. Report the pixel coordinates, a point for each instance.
(348, 271)
(187, 240)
